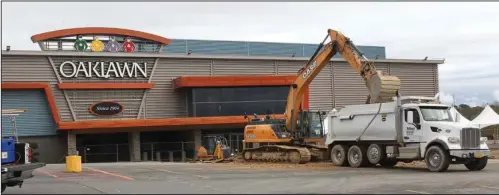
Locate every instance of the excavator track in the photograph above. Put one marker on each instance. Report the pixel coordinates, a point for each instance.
(278, 153)
(318, 153)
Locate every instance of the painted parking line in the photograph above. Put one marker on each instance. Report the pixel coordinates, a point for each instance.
(179, 173)
(489, 187)
(49, 174)
(419, 192)
(108, 173)
(62, 175)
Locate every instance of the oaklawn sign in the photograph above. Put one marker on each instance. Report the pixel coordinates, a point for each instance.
(69, 69)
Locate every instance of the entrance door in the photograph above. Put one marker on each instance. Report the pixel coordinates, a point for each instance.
(412, 128)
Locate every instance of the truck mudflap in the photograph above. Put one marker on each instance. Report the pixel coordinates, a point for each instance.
(469, 153)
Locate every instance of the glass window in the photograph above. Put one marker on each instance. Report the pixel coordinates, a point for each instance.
(230, 101)
(432, 113)
(238, 108)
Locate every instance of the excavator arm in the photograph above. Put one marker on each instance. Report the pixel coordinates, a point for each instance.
(381, 87)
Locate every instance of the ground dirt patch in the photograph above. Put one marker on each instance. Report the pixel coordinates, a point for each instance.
(494, 153)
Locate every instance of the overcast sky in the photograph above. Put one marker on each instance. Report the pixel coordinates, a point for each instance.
(465, 34)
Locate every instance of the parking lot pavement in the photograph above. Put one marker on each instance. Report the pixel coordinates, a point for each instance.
(167, 178)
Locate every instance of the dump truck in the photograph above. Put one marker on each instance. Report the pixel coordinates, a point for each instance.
(410, 128)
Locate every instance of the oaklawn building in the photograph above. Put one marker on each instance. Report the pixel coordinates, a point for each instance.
(110, 94)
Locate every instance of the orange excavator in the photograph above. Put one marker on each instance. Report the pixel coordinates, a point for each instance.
(296, 138)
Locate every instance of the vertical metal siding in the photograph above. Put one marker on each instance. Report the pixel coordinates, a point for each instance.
(321, 89)
(37, 121)
(163, 101)
(435, 75)
(243, 67)
(27, 69)
(349, 87)
(416, 79)
(61, 103)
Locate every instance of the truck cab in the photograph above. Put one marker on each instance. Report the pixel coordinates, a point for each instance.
(431, 124)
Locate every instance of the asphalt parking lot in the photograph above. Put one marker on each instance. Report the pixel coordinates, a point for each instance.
(167, 178)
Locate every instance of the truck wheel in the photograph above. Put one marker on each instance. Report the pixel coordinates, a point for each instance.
(4, 187)
(339, 155)
(437, 159)
(375, 154)
(388, 163)
(477, 165)
(357, 156)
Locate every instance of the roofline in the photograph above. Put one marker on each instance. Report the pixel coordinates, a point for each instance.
(199, 56)
(98, 30)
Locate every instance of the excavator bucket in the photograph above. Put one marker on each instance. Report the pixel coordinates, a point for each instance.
(383, 87)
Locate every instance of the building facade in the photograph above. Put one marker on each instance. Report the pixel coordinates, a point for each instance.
(113, 94)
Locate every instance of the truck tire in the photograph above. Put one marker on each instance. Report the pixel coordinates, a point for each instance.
(357, 156)
(4, 187)
(437, 159)
(339, 155)
(375, 154)
(388, 163)
(477, 165)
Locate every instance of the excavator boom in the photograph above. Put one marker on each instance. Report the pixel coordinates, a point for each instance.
(381, 87)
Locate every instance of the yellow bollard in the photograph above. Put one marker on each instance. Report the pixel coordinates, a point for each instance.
(73, 163)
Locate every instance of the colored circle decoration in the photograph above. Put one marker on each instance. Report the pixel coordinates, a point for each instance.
(97, 45)
(80, 44)
(112, 45)
(128, 46)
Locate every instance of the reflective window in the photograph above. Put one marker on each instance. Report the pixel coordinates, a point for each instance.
(230, 101)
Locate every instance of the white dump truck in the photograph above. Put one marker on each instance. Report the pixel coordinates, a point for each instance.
(408, 129)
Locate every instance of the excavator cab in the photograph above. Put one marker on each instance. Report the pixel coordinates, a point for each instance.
(311, 124)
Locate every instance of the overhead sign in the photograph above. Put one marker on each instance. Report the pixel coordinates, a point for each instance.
(106, 108)
(69, 69)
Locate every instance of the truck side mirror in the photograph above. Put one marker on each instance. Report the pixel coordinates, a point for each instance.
(410, 117)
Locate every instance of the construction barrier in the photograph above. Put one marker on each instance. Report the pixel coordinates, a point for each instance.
(73, 163)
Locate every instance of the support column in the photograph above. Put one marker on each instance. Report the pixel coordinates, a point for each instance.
(197, 141)
(134, 145)
(71, 143)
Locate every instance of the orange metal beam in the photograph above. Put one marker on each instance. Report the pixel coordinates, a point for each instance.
(98, 30)
(232, 81)
(186, 121)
